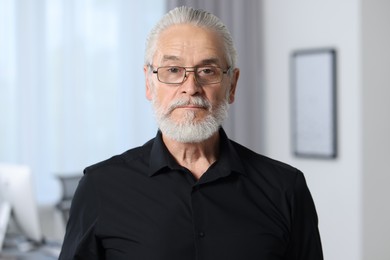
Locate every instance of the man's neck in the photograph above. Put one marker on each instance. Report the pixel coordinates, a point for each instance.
(196, 157)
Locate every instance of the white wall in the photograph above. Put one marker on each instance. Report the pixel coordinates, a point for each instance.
(351, 191)
(376, 128)
(336, 185)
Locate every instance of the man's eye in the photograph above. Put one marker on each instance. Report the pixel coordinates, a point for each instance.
(174, 70)
(207, 71)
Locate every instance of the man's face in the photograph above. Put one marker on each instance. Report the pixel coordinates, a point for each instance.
(189, 105)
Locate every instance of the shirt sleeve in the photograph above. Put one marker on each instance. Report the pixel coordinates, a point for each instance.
(80, 241)
(305, 243)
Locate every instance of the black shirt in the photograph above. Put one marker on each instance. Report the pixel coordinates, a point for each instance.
(143, 205)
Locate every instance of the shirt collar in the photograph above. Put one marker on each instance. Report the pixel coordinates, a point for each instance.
(160, 157)
(228, 161)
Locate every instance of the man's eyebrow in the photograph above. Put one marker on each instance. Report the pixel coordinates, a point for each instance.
(207, 61)
(170, 57)
(210, 61)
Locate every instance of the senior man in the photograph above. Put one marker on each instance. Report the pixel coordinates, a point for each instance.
(190, 192)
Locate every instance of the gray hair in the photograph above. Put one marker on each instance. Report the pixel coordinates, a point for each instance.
(200, 18)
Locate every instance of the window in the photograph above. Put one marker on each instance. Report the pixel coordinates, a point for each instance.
(72, 84)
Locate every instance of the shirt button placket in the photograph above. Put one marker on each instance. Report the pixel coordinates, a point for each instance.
(198, 221)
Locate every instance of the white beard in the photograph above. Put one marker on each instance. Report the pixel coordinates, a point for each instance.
(188, 130)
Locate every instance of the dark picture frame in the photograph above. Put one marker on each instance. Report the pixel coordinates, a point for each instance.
(313, 100)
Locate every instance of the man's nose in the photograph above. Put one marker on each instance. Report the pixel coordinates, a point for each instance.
(190, 84)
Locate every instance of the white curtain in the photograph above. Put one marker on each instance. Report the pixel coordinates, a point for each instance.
(243, 19)
(72, 84)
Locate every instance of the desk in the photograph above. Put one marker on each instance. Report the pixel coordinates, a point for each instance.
(26, 256)
(45, 252)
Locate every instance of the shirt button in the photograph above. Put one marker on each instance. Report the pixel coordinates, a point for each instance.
(201, 234)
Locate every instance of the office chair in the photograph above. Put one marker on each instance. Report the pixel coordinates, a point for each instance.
(69, 184)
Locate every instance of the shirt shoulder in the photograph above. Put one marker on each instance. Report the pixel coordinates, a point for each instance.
(265, 169)
(133, 159)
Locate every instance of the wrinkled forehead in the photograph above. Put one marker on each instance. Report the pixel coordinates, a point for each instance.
(189, 45)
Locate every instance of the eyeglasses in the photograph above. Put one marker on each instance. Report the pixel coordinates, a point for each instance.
(204, 75)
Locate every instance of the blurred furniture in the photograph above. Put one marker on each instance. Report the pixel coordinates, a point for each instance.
(69, 184)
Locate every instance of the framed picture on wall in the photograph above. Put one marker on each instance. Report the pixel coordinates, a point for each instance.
(313, 100)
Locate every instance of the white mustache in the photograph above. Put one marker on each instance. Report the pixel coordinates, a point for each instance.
(196, 101)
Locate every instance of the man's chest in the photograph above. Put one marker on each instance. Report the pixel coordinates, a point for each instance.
(224, 221)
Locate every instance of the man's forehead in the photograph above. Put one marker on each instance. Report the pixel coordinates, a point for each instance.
(190, 44)
(189, 37)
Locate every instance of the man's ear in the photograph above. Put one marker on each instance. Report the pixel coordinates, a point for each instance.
(233, 85)
(148, 89)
